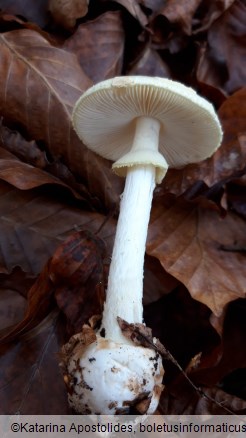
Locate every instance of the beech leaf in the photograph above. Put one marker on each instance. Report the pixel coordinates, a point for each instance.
(23, 175)
(50, 81)
(225, 51)
(99, 46)
(227, 160)
(29, 370)
(33, 225)
(66, 12)
(180, 13)
(189, 242)
(134, 9)
(33, 11)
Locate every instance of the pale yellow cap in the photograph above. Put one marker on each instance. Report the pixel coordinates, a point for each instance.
(105, 117)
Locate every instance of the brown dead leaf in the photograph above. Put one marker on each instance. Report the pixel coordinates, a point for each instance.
(12, 307)
(30, 372)
(228, 159)
(236, 197)
(157, 282)
(233, 356)
(222, 59)
(33, 225)
(99, 46)
(76, 271)
(150, 64)
(154, 5)
(33, 11)
(222, 380)
(72, 277)
(212, 401)
(212, 94)
(50, 80)
(138, 333)
(183, 326)
(134, 9)
(66, 12)
(180, 13)
(18, 281)
(209, 12)
(189, 243)
(40, 302)
(23, 175)
(27, 151)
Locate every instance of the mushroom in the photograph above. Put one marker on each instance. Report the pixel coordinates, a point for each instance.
(144, 125)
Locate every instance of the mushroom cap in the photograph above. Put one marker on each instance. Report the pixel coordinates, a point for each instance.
(105, 118)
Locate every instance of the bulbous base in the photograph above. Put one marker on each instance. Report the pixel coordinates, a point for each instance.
(109, 378)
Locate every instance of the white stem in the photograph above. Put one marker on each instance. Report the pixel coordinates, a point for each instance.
(125, 282)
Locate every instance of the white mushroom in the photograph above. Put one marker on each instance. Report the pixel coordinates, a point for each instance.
(144, 125)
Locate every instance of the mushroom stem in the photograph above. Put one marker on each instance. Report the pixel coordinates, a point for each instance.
(125, 282)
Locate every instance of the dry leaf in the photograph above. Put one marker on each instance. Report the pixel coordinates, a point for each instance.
(30, 372)
(27, 151)
(66, 12)
(189, 402)
(39, 303)
(76, 271)
(50, 80)
(99, 46)
(33, 225)
(71, 277)
(210, 12)
(189, 243)
(222, 60)
(233, 356)
(13, 307)
(228, 159)
(150, 64)
(180, 13)
(133, 7)
(23, 175)
(33, 11)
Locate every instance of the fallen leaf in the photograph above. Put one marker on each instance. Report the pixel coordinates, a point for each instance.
(17, 281)
(209, 12)
(134, 9)
(50, 81)
(236, 196)
(29, 369)
(222, 58)
(99, 46)
(13, 306)
(212, 401)
(33, 225)
(180, 13)
(189, 243)
(233, 356)
(182, 324)
(33, 11)
(76, 271)
(72, 277)
(212, 94)
(23, 175)
(150, 64)
(157, 282)
(66, 12)
(27, 151)
(227, 160)
(154, 5)
(40, 302)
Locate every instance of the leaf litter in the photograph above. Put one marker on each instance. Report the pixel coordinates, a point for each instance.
(55, 195)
